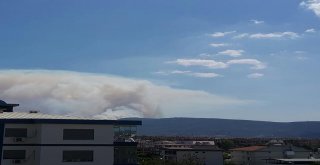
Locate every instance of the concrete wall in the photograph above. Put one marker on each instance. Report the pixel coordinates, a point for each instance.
(44, 144)
(32, 154)
(53, 134)
(33, 134)
(53, 155)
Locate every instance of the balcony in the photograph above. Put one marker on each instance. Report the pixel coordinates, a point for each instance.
(125, 134)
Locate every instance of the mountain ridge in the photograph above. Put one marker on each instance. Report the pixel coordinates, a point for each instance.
(227, 128)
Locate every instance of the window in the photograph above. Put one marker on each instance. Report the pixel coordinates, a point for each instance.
(78, 156)
(125, 155)
(14, 154)
(16, 132)
(78, 134)
(124, 133)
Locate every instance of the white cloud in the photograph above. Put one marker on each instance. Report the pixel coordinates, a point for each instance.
(103, 96)
(287, 34)
(255, 75)
(274, 35)
(216, 45)
(193, 74)
(256, 64)
(196, 74)
(212, 64)
(239, 36)
(310, 30)
(313, 5)
(166, 73)
(180, 72)
(200, 62)
(221, 34)
(256, 21)
(205, 75)
(232, 53)
(161, 73)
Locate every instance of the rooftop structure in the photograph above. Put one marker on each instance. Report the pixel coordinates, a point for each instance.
(7, 107)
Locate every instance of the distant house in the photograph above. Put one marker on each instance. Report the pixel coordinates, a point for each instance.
(32, 138)
(197, 152)
(272, 154)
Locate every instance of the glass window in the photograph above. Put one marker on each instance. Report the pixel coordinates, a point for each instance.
(116, 131)
(78, 156)
(78, 134)
(14, 154)
(124, 133)
(16, 132)
(125, 155)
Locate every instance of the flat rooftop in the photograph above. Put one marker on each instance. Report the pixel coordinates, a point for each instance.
(36, 117)
(194, 148)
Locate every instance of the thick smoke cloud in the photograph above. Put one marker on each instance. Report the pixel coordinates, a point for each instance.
(102, 96)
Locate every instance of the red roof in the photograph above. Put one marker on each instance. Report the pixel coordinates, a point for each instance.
(250, 148)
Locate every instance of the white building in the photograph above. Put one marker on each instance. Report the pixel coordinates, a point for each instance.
(32, 138)
(272, 154)
(192, 152)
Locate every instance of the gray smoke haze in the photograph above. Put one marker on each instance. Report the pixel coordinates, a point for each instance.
(101, 96)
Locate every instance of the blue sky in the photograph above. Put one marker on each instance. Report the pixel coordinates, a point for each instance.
(262, 51)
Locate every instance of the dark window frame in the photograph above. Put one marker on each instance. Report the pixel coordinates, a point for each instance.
(16, 132)
(85, 156)
(78, 134)
(9, 154)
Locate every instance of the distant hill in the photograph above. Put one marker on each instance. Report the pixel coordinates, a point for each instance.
(227, 128)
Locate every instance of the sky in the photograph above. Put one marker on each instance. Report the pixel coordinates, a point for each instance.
(248, 59)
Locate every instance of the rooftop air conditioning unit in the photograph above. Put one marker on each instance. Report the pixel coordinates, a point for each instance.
(19, 139)
(17, 161)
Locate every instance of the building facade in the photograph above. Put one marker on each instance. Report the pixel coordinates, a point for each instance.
(32, 138)
(272, 154)
(192, 152)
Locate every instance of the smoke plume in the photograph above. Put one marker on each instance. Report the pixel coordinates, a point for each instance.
(102, 96)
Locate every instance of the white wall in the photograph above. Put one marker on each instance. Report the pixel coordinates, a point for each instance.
(32, 154)
(53, 134)
(33, 134)
(53, 155)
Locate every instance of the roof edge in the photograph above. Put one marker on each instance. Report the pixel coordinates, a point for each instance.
(71, 121)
